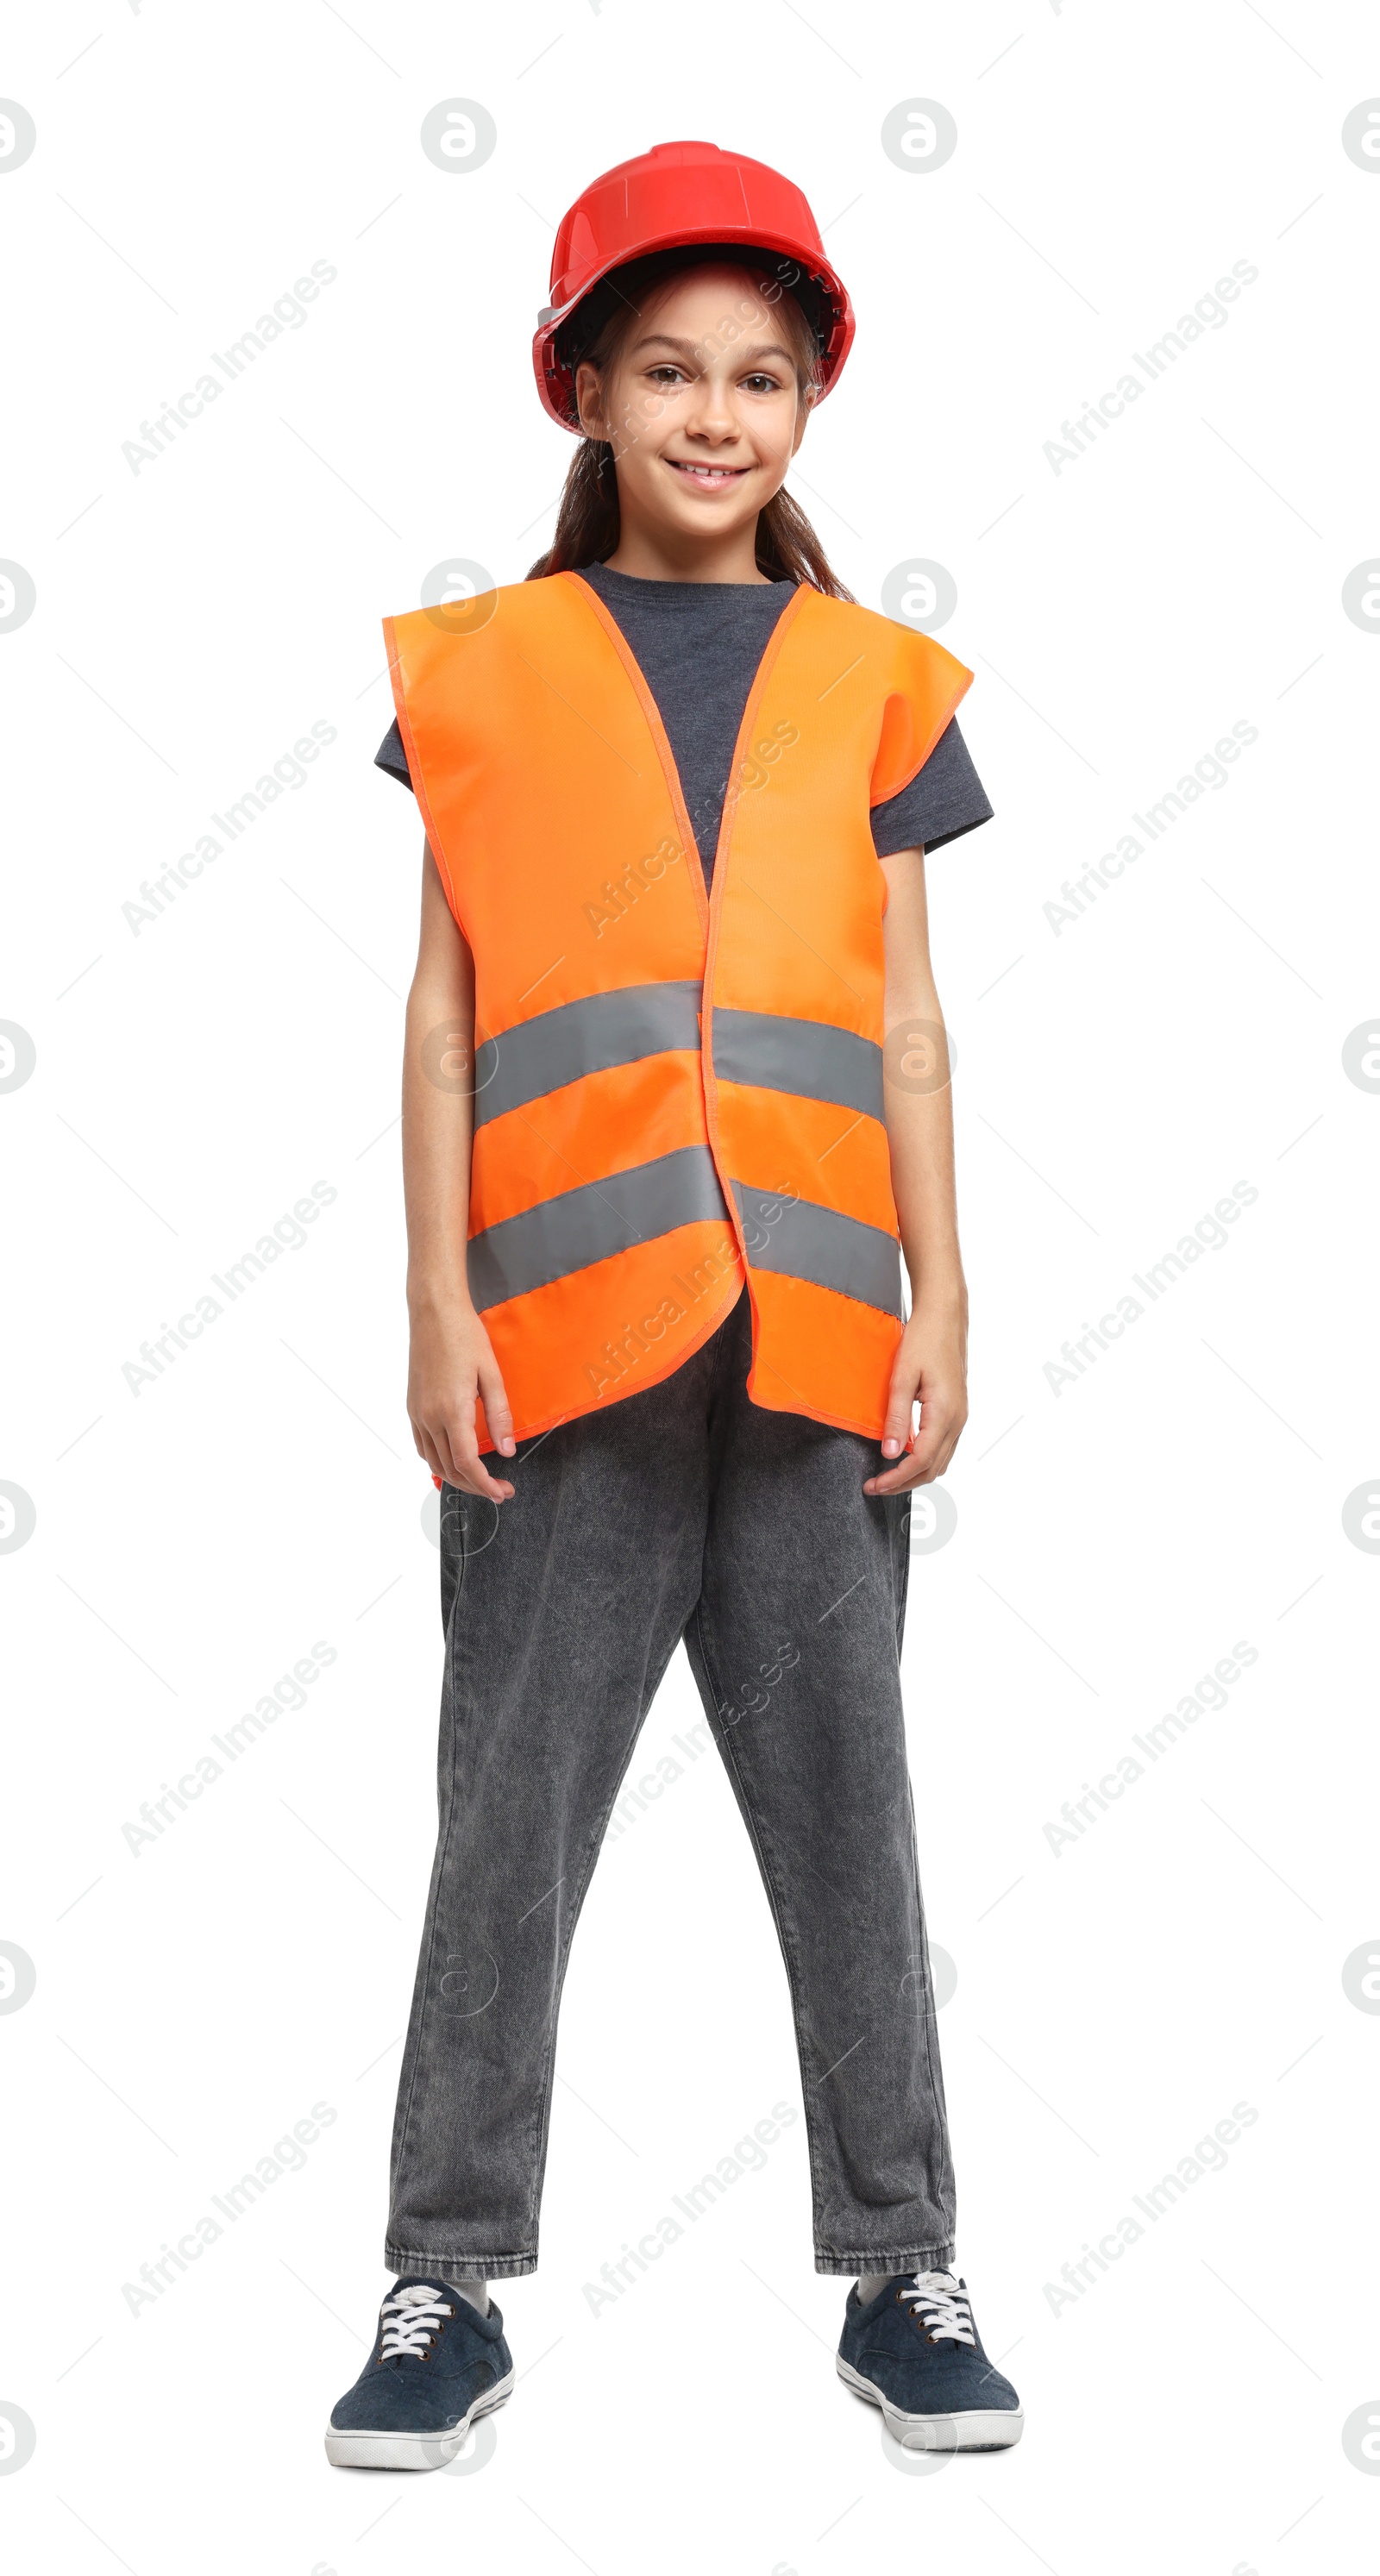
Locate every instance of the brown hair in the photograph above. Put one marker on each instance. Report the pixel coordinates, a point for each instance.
(588, 522)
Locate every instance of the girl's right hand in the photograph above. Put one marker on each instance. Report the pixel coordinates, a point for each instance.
(450, 1371)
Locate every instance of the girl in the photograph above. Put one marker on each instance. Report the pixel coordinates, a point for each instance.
(675, 1100)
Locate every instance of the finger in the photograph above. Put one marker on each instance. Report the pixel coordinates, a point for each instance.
(426, 1449)
(931, 1454)
(496, 1489)
(896, 1426)
(899, 1480)
(496, 1409)
(471, 1474)
(934, 1446)
(447, 1439)
(439, 1445)
(951, 1433)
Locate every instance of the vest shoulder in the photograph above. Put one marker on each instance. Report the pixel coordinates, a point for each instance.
(511, 602)
(497, 631)
(902, 651)
(492, 624)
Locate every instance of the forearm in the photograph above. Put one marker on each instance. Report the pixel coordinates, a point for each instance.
(438, 1118)
(920, 1133)
(451, 1369)
(931, 1356)
(919, 1097)
(437, 1133)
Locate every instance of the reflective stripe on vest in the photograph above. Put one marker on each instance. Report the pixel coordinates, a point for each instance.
(672, 1092)
(804, 1241)
(803, 1056)
(586, 1225)
(560, 1046)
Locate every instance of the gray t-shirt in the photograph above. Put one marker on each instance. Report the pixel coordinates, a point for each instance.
(698, 645)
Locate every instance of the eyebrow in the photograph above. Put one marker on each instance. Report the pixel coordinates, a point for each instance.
(762, 349)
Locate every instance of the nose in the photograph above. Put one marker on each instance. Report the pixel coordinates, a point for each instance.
(709, 414)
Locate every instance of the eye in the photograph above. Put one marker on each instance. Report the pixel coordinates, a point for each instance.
(665, 374)
(762, 384)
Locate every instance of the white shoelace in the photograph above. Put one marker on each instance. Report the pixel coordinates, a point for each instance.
(942, 2308)
(412, 2317)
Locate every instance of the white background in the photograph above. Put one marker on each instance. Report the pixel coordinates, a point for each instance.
(1113, 1541)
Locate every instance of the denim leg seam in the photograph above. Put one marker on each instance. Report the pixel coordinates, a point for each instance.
(537, 2142)
(768, 1877)
(947, 2177)
(902, 1577)
(947, 2173)
(442, 1857)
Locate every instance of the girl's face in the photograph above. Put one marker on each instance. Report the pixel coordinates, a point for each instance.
(702, 406)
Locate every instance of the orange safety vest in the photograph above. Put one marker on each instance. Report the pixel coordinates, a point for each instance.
(673, 1090)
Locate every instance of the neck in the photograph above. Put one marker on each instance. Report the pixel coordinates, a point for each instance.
(651, 553)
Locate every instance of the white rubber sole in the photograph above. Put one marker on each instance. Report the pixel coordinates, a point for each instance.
(979, 2429)
(412, 2450)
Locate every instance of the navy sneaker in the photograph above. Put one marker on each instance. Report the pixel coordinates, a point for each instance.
(436, 2367)
(915, 2352)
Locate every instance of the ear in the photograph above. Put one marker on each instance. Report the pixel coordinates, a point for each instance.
(802, 415)
(589, 401)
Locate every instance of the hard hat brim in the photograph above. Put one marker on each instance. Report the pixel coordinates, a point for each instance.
(679, 197)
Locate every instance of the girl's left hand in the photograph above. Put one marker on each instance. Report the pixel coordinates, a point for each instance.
(931, 1364)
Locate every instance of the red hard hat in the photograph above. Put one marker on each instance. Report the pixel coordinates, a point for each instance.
(675, 195)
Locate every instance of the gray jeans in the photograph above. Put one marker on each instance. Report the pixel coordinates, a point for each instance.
(684, 1511)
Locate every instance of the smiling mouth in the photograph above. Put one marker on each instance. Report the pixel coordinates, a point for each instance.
(710, 478)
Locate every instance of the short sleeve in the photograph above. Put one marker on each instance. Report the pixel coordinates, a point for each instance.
(392, 757)
(944, 799)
